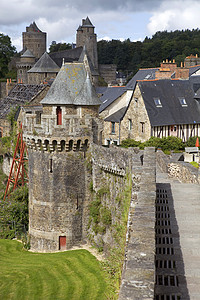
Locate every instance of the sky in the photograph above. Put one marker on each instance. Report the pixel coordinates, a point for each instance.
(113, 19)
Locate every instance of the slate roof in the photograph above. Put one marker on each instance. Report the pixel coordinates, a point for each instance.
(87, 23)
(27, 53)
(117, 116)
(171, 112)
(110, 95)
(72, 86)
(69, 55)
(19, 95)
(45, 65)
(142, 74)
(193, 69)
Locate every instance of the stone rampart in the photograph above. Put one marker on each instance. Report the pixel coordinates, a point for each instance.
(180, 170)
(138, 276)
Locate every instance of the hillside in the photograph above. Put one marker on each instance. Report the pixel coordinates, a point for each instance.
(130, 56)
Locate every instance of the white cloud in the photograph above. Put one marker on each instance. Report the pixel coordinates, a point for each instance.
(181, 15)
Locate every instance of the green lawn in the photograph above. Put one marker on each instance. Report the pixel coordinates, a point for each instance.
(66, 275)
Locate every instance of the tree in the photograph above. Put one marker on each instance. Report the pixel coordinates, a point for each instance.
(54, 47)
(6, 52)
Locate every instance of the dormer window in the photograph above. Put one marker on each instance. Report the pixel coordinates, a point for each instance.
(183, 101)
(157, 102)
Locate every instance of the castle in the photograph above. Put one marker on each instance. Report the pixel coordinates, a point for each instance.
(33, 62)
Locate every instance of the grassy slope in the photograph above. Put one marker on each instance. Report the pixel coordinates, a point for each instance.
(66, 275)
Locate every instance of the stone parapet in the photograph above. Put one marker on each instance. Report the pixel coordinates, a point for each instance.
(138, 276)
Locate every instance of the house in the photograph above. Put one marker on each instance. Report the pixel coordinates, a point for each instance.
(159, 108)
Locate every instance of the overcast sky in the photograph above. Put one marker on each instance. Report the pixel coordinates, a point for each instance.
(113, 19)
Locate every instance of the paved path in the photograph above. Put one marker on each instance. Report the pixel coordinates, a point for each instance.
(187, 212)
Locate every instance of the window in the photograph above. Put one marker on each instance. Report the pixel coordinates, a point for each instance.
(129, 124)
(38, 117)
(182, 101)
(59, 115)
(112, 127)
(135, 99)
(142, 126)
(157, 102)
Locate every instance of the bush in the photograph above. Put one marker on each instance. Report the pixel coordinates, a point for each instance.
(106, 217)
(14, 214)
(192, 141)
(165, 143)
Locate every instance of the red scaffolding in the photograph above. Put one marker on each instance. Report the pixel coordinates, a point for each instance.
(18, 174)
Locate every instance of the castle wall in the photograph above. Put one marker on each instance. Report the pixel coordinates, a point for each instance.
(108, 72)
(38, 78)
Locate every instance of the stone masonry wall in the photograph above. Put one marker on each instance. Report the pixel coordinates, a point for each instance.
(138, 276)
(182, 171)
(58, 199)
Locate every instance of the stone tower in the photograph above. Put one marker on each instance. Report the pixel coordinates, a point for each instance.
(34, 40)
(27, 60)
(86, 37)
(58, 134)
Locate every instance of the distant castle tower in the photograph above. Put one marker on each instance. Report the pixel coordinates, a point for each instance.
(86, 37)
(58, 134)
(26, 62)
(34, 40)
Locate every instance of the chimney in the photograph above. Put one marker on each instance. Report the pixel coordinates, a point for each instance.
(173, 61)
(167, 60)
(181, 64)
(196, 55)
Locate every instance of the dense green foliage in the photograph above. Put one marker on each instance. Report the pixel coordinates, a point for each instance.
(73, 275)
(130, 56)
(54, 47)
(165, 143)
(6, 52)
(14, 214)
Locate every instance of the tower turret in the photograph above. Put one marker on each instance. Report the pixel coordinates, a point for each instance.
(58, 134)
(34, 40)
(86, 37)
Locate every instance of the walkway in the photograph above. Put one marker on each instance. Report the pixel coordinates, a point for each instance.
(186, 205)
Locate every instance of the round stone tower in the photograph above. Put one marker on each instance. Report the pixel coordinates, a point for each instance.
(58, 134)
(27, 60)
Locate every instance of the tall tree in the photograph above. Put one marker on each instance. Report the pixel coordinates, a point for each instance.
(6, 52)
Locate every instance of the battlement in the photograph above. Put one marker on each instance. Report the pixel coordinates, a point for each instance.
(57, 145)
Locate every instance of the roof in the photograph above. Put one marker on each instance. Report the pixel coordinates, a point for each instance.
(87, 23)
(34, 27)
(27, 53)
(19, 95)
(171, 112)
(117, 116)
(72, 86)
(45, 65)
(110, 95)
(69, 55)
(142, 74)
(193, 69)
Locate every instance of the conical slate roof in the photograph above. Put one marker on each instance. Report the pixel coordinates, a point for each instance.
(87, 23)
(72, 86)
(45, 65)
(27, 53)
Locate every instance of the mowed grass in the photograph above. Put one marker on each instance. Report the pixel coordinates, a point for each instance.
(66, 275)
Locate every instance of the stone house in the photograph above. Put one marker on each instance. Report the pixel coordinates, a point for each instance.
(159, 108)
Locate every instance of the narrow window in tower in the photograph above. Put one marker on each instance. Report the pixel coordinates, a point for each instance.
(51, 165)
(77, 202)
(59, 115)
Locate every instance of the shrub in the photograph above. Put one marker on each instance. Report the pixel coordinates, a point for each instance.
(106, 217)
(192, 141)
